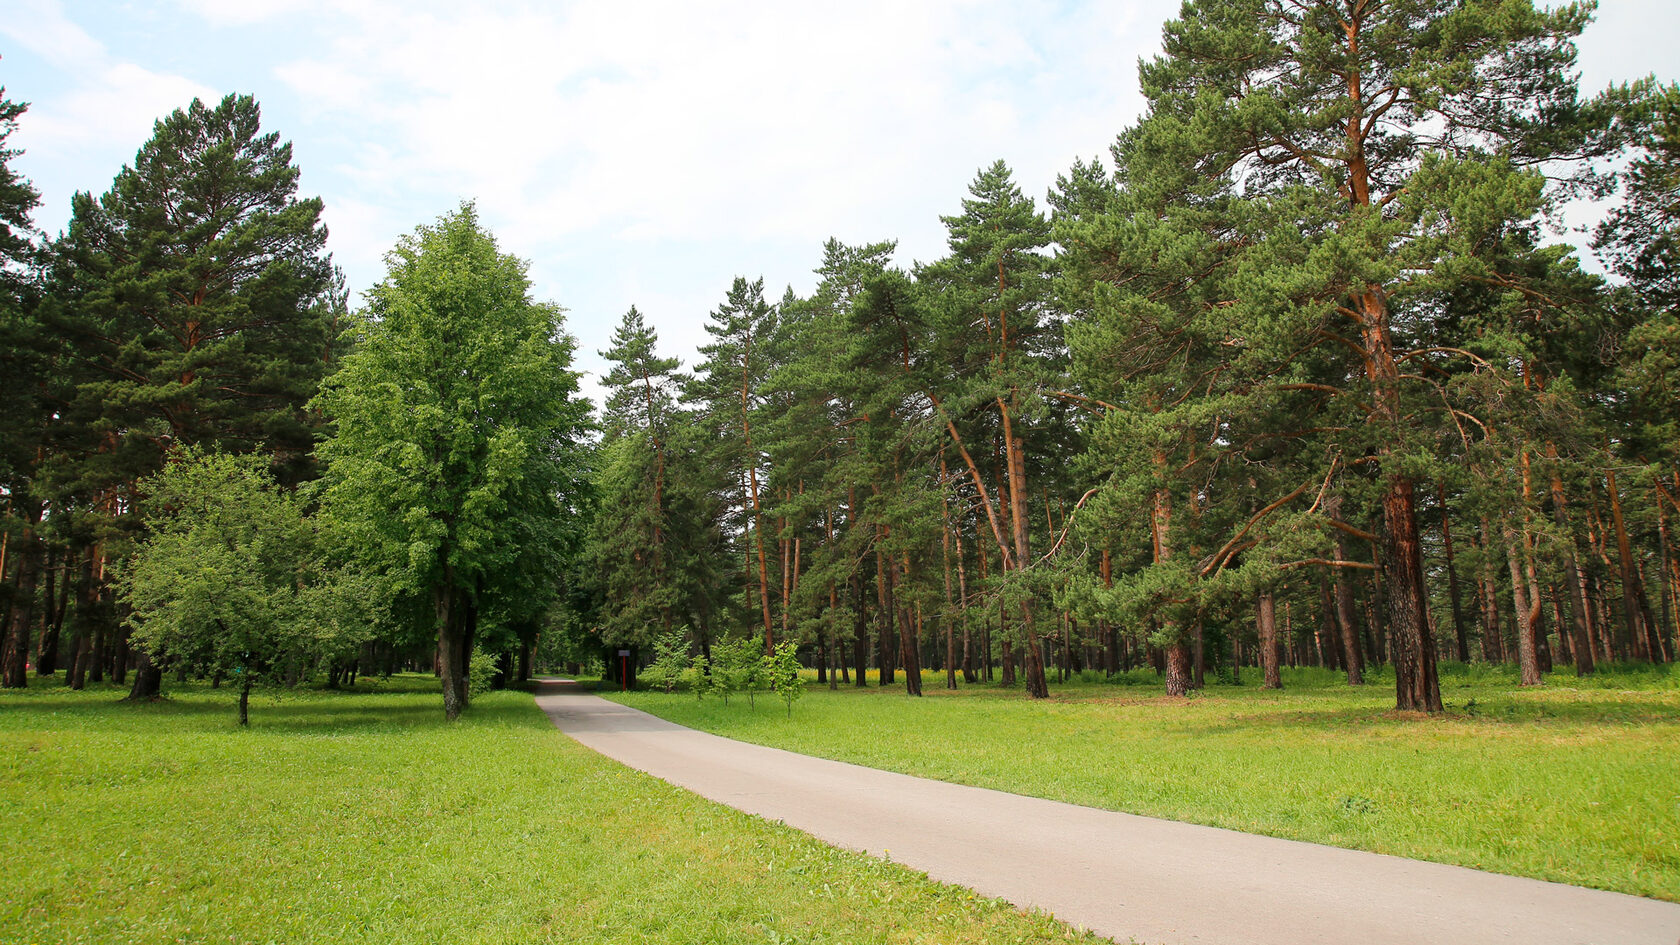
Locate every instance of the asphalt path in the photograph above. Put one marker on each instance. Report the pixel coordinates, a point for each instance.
(1126, 877)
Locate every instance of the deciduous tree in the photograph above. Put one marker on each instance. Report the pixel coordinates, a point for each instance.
(457, 431)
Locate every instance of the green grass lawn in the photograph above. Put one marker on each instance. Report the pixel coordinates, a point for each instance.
(1577, 782)
(363, 817)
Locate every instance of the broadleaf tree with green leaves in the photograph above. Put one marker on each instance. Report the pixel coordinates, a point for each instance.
(223, 579)
(458, 442)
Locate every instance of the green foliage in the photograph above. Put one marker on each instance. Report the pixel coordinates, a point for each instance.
(481, 672)
(738, 666)
(26, 402)
(699, 677)
(457, 458)
(18, 197)
(201, 299)
(1642, 240)
(670, 660)
(227, 579)
(782, 669)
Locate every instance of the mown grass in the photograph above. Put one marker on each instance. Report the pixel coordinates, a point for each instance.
(363, 817)
(1576, 781)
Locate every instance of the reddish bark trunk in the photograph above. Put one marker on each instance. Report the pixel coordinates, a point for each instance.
(1269, 655)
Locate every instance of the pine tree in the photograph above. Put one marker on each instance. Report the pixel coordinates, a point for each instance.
(728, 385)
(194, 304)
(998, 340)
(197, 292)
(649, 523)
(1642, 241)
(24, 408)
(1373, 144)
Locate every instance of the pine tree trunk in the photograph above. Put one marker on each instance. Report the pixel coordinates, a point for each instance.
(1632, 624)
(1492, 650)
(1670, 582)
(1526, 659)
(1178, 675)
(1105, 630)
(1352, 658)
(1575, 585)
(14, 653)
(1460, 636)
(1006, 649)
(757, 524)
(1269, 656)
(945, 559)
(46, 664)
(886, 635)
(121, 654)
(908, 644)
(98, 653)
(860, 634)
(968, 672)
(1037, 686)
(1654, 641)
(1329, 633)
(1411, 645)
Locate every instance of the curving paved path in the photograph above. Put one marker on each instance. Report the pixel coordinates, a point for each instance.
(1123, 876)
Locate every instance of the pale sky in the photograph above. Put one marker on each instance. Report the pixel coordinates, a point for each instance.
(637, 152)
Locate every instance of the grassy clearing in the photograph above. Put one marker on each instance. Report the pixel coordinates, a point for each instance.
(1578, 781)
(363, 817)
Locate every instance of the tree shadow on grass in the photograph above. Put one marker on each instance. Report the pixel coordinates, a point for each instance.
(195, 708)
(1477, 709)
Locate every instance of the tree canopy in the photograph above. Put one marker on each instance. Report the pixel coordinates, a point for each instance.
(457, 432)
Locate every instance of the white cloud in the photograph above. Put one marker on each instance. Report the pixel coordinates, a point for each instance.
(652, 120)
(114, 108)
(42, 28)
(77, 136)
(243, 12)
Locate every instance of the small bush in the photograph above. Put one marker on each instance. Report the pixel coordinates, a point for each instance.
(481, 671)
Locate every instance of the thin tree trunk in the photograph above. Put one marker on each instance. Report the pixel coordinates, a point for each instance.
(962, 611)
(1670, 583)
(1630, 578)
(1574, 583)
(1460, 635)
(945, 551)
(1352, 659)
(46, 664)
(1037, 687)
(1493, 649)
(860, 633)
(888, 613)
(1105, 630)
(1329, 633)
(908, 641)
